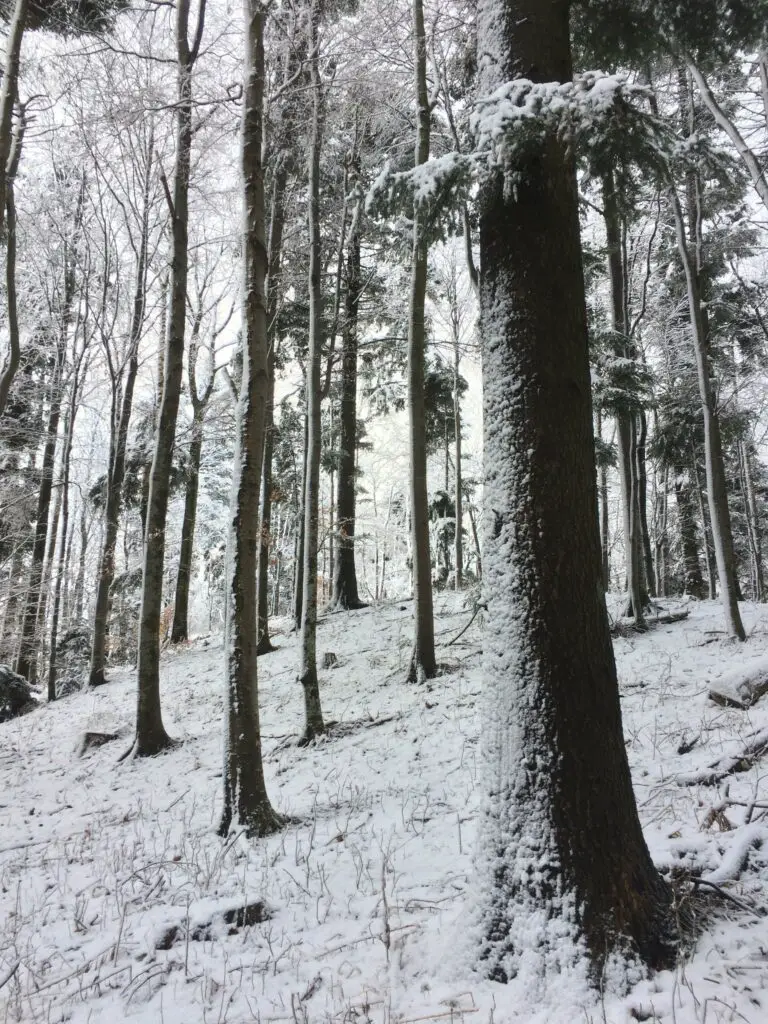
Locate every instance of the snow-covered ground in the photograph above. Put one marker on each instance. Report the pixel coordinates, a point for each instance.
(110, 872)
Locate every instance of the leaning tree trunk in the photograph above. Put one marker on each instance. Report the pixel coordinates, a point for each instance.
(566, 882)
(8, 98)
(313, 716)
(345, 592)
(116, 469)
(246, 804)
(717, 492)
(423, 664)
(151, 736)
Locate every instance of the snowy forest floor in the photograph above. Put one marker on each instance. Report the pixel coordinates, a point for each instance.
(113, 883)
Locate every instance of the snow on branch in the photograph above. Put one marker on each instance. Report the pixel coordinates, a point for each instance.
(604, 118)
(521, 112)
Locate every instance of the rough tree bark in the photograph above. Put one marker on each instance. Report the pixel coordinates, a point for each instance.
(151, 736)
(559, 792)
(246, 803)
(313, 716)
(423, 664)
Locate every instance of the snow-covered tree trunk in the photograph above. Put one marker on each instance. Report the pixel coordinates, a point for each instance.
(14, 342)
(151, 736)
(313, 716)
(564, 878)
(422, 664)
(246, 803)
(8, 95)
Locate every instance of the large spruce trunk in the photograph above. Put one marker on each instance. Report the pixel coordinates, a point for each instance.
(246, 803)
(151, 736)
(565, 879)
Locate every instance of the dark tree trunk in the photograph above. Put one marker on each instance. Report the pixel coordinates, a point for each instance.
(423, 664)
(116, 468)
(602, 491)
(641, 471)
(693, 581)
(28, 646)
(345, 592)
(313, 716)
(180, 629)
(559, 789)
(151, 736)
(246, 803)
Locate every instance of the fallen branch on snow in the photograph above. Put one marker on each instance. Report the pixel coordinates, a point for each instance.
(730, 765)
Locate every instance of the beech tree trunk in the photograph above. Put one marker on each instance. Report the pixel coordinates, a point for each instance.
(625, 418)
(246, 804)
(29, 641)
(180, 628)
(274, 278)
(717, 492)
(423, 664)
(559, 792)
(116, 467)
(345, 590)
(151, 736)
(313, 716)
(14, 346)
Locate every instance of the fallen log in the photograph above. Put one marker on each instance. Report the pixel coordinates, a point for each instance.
(743, 686)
